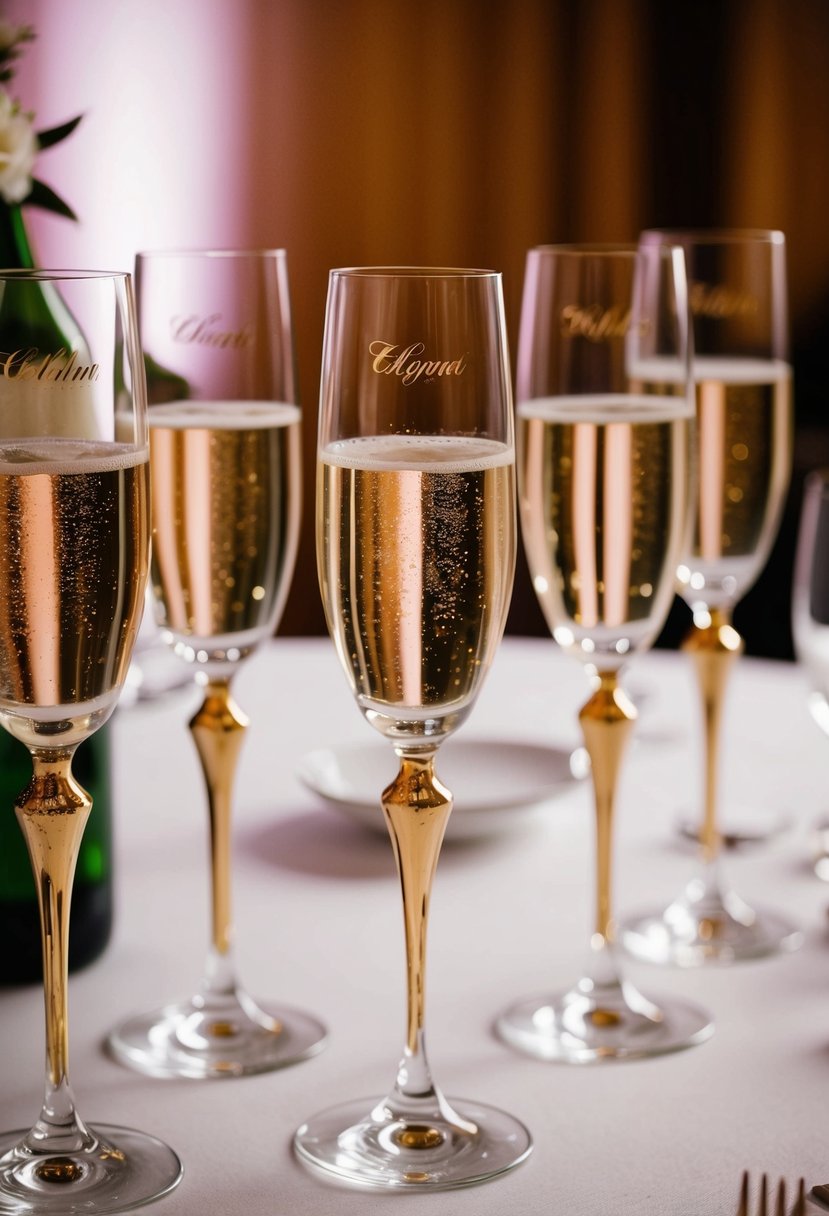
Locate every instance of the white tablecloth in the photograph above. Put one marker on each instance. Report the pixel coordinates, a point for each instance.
(319, 926)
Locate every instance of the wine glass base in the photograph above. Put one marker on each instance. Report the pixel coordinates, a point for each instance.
(739, 828)
(687, 936)
(620, 1024)
(186, 1040)
(355, 1144)
(124, 1170)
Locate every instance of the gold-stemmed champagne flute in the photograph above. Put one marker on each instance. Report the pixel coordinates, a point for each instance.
(605, 426)
(742, 377)
(74, 555)
(416, 550)
(225, 474)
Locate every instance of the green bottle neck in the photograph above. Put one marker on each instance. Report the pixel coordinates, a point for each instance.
(33, 315)
(15, 250)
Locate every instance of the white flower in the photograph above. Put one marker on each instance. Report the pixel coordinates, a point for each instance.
(18, 149)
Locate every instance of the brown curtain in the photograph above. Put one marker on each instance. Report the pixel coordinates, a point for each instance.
(454, 132)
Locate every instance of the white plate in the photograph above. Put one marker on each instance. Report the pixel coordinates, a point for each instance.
(497, 785)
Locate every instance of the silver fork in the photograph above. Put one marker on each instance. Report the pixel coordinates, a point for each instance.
(779, 1209)
(820, 1194)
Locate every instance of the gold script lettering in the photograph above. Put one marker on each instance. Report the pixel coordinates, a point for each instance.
(389, 359)
(721, 302)
(61, 368)
(596, 323)
(206, 331)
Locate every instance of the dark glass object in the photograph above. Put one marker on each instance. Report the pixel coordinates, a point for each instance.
(49, 325)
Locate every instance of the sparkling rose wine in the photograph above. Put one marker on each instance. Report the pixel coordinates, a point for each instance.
(225, 509)
(604, 486)
(72, 560)
(416, 566)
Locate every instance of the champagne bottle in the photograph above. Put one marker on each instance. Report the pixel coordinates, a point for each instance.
(91, 919)
(163, 385)
(48, 325)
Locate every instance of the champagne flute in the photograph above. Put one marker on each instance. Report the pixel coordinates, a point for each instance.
(744, 425)
(605, 421)
(74, 555)
(225, 476)
(416, 550)
(810, 594)
(810, 613)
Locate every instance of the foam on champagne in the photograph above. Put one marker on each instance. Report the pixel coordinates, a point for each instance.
(419, 453)
(59, 457)
(605, 409)
(223, 415)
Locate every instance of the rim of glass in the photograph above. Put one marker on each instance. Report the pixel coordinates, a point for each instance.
(415, 272)
(718, 236)
(589, 248)
(212, 253)
(39, 273)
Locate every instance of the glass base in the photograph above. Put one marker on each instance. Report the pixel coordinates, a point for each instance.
(591, 1023)
(123, 1170)
(704, 926)
(739, 828)
(232, 1040)
(366, 1146)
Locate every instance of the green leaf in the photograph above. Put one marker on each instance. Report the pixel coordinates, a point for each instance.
(44, 196)
(54, 135)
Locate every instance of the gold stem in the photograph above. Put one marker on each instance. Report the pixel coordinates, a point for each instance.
(713, 648)
(52, 812)
(417, 807)
(218, 730)
(606, 722)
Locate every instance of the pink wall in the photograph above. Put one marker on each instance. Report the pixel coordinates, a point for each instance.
(158, 82)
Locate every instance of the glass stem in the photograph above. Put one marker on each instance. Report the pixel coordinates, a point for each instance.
(606, 722)
(218, 730)
(52, 812)
(417, 808)
(713, 645)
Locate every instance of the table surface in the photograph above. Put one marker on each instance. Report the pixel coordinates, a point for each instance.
(318, 925)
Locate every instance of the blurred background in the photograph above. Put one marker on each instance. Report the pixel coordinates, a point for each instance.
(443, 132)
